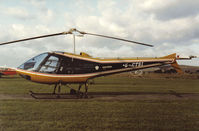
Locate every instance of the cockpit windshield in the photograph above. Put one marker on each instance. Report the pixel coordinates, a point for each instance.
(33, 63)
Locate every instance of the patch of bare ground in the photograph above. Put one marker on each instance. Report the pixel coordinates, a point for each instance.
(118, 96)
(150, 97)
(161, 76)
(13, 97)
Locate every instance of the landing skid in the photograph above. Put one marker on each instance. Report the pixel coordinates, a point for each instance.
(57, 96)
(74, 94)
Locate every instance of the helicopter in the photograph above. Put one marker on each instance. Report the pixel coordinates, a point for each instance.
(63, 68)
(6, 71)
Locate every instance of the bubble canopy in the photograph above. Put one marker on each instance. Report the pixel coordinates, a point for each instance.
(56, 63)
(33, 63)
(45, 62)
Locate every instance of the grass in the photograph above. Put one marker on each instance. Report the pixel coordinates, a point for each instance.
(99, 115)
(92, 114)
(18, 85)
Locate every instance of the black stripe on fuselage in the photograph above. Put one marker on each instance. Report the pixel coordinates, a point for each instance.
(70, 65)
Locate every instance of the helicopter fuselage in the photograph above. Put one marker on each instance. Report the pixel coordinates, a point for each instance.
(62, 67)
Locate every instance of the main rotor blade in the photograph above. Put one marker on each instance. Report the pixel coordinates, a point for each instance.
(71, 32)
(37, 37)
(119, 39)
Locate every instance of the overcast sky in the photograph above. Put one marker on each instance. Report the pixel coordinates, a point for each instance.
(170, 25)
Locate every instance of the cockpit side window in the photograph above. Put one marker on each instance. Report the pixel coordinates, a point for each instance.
(51, 65)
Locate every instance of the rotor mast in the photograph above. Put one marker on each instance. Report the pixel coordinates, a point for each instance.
(74, 44)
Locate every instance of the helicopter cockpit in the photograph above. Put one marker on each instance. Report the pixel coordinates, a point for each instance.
(44, 63)
(54, 63)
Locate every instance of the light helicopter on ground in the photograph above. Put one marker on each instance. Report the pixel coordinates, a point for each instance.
(62, 68)
(6, 71)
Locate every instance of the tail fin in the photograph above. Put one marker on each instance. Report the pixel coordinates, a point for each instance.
(169, 56)
(175, 64)
(177, 67)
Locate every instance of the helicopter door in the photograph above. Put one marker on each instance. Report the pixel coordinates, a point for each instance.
(51, 65)
(66, 66)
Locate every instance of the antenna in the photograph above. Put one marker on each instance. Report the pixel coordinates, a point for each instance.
(74, 44)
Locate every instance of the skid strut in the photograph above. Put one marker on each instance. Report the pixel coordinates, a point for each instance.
(54, 91)
(86, 90)
(56, 94)
(81, 94)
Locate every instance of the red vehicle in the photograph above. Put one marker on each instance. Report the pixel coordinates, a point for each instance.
(7, 71)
